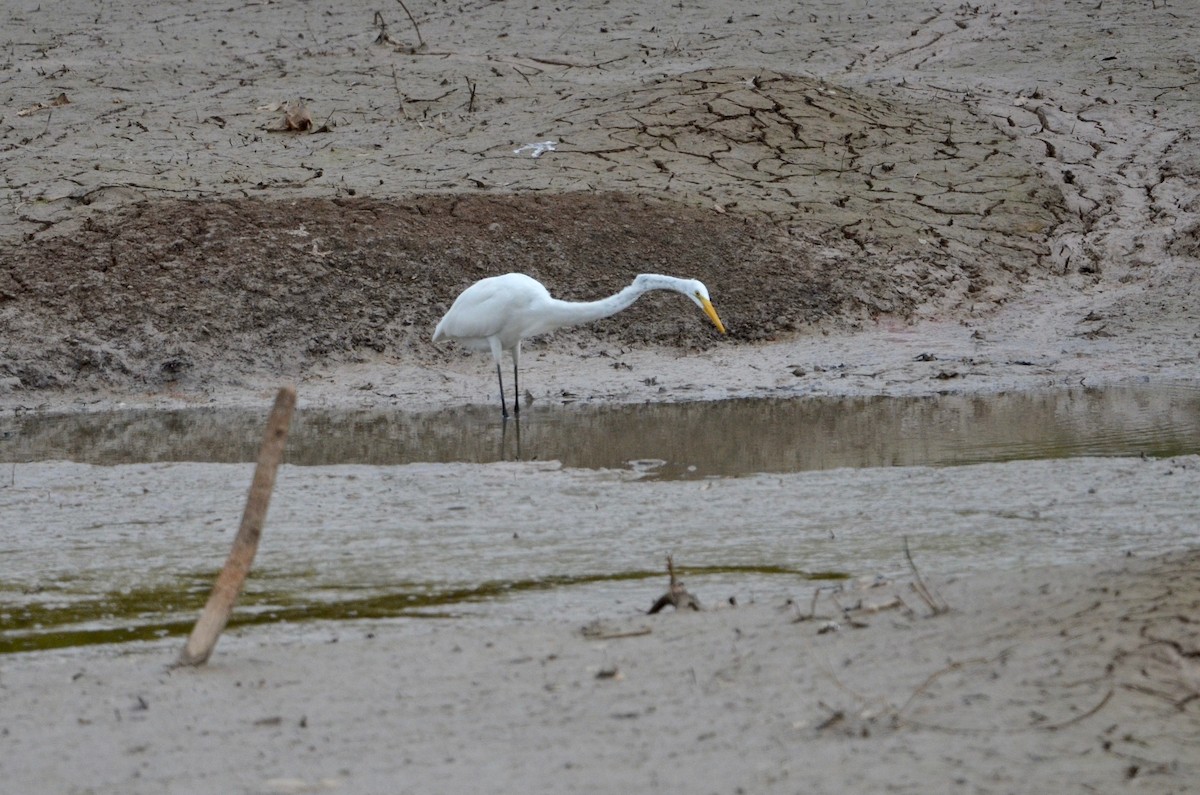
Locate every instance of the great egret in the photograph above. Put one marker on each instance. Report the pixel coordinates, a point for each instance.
(496, 313)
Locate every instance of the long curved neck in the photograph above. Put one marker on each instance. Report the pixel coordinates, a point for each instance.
(572, 313)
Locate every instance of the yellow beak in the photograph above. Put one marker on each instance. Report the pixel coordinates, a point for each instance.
(712, 314)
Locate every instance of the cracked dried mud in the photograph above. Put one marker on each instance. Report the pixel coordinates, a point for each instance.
(883, 199)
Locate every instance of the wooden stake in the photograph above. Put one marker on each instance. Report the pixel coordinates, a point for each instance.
(229, 582)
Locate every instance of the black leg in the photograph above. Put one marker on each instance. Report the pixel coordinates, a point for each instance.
(518, 429)
(500, 378)
(516, 390)
(504, 456)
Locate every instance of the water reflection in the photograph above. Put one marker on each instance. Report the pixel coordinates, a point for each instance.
(672, 440)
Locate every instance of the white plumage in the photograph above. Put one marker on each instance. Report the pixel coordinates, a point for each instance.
(496, 313)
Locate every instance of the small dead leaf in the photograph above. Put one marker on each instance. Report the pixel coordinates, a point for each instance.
(296, 117)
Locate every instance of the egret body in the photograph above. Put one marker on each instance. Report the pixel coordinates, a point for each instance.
(496, 313)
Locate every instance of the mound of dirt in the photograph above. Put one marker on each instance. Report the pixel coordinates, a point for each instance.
(164, 292)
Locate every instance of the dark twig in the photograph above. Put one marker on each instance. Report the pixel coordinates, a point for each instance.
(933, 677)
(812, 608)
(471, 100)
(677, 596)
(416, 27)
(835, 717)
(886, 709)
(935, 603)
(1083, 715)
(399, 93)
(383, 37)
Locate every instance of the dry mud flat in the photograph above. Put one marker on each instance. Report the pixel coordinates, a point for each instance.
(882, 198)
(1071, 679)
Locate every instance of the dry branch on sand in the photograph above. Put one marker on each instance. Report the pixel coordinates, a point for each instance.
(882, 712)
(855, 614)
(385, 38)
(57, 102)
(677, 596)
(928, 596)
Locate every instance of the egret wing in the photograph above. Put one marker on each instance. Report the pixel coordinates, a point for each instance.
(487, 306)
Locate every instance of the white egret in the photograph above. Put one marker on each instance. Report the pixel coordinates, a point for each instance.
(496, 313)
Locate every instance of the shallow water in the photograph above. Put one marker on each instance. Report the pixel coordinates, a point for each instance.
(128, 549)
(672, 440)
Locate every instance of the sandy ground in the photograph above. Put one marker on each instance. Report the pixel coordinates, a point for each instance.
(1069, 679)
(882, 198)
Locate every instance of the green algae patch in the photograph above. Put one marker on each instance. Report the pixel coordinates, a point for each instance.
(64, 620)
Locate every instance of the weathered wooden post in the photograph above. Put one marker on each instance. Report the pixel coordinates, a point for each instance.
(229, 582)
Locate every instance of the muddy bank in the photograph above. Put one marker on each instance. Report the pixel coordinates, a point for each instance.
(187, 294)
(1036, 680)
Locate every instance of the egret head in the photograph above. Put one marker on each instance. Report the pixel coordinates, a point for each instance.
(699, 293)
(692, 288)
